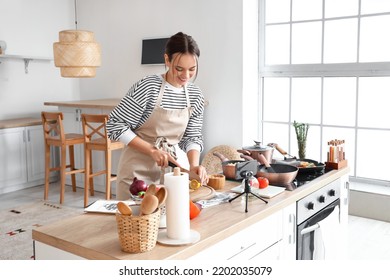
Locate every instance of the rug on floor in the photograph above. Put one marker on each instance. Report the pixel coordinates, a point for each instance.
(16, 227)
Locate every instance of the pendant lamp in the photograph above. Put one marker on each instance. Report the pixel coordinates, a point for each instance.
(77, 54)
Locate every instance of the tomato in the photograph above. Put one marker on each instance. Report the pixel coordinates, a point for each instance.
(263, 182)
(194, 210)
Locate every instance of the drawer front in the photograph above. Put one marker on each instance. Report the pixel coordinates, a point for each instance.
(247, 243)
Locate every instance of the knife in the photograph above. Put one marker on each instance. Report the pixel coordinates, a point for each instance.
(191, 174)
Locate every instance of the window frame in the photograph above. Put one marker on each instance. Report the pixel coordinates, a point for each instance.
(321, 70)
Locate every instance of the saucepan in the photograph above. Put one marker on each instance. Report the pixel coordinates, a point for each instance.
(233, 169)
(277, 174)
(257, 149)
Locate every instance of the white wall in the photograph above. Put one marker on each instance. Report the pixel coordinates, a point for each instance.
(217, 26)
(30, 28)
(228, 61)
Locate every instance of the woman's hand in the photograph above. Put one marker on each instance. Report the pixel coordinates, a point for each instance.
(193, 159)
(161, 157)
(202, 173)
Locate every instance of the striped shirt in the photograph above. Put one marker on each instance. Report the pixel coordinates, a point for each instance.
(137, 105)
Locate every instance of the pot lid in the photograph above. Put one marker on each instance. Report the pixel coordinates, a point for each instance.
(257, 147)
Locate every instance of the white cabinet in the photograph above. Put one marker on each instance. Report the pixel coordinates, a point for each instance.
(22, 161)
(344, 203)
(272, 238)
(344, 198)
(35, 150)
(46, 252)
(288, 244)
(260, 240)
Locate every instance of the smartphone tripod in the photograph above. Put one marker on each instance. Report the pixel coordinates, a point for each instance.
(247, 190)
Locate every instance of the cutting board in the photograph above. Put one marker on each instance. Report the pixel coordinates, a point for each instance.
(268, 192)
(204, 192)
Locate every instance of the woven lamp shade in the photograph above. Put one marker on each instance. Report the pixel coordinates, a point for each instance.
(77, 54)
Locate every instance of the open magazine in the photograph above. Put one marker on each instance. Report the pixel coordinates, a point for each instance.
(107, 206)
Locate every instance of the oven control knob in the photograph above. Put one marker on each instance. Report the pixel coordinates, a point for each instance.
(310, 206)
(322, 199)
(332, 192)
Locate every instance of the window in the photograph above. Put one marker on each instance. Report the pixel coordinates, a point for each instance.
(327, 63)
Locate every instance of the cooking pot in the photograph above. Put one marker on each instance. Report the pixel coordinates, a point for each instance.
(277, 174)
(233, 169)
(256, 150)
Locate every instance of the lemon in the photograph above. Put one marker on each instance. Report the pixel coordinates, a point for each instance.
(194, 184)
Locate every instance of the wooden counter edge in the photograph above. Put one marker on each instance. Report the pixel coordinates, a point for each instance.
(94, 104)
(20, 122)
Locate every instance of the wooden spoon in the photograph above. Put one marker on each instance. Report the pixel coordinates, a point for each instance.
(151, 189)
(161, 195)
(149, 204)
(124, 209)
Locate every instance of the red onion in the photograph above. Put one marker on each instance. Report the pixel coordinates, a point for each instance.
(137, 186)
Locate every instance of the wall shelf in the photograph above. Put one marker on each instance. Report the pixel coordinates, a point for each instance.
(26, 59)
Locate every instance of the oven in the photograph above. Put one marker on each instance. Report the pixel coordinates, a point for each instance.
(318, 221)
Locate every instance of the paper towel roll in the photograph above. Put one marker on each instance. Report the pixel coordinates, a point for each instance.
(177, 207)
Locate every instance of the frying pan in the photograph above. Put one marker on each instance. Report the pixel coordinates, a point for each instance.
(296, 162)
(277, 174)
(318, 166)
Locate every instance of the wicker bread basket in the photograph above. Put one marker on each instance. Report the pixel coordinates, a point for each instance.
(138, 234)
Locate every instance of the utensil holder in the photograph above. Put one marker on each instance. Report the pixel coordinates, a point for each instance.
(138, 234)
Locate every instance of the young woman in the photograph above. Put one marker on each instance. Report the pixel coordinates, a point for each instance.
(168, 107)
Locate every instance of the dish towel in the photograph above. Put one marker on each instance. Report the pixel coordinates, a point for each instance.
(326, 238)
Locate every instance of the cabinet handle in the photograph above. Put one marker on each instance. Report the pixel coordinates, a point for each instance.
(346, 200)
(78, 115)
(24, 136)
(294, 228)
(28, 136)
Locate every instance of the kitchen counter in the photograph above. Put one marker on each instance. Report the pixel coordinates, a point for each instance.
(94, 236)
(19, 122)
(94, 104)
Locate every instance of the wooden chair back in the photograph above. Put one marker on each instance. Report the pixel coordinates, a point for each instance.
(95, 132)
(53, 129)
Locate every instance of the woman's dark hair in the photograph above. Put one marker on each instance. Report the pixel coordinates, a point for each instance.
(182, 43)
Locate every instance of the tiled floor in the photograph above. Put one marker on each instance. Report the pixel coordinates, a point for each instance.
(368, 239)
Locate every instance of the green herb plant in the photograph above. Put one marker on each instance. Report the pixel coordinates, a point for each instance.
(301, 130)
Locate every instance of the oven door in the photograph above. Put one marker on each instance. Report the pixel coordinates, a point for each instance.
(314, 235)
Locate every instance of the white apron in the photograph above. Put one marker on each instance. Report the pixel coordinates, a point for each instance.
(168, 123)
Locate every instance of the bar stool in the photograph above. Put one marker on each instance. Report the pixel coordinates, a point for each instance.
(54, 135)
(96, 139)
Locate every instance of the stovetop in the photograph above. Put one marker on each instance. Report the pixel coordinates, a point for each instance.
(303, 178)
